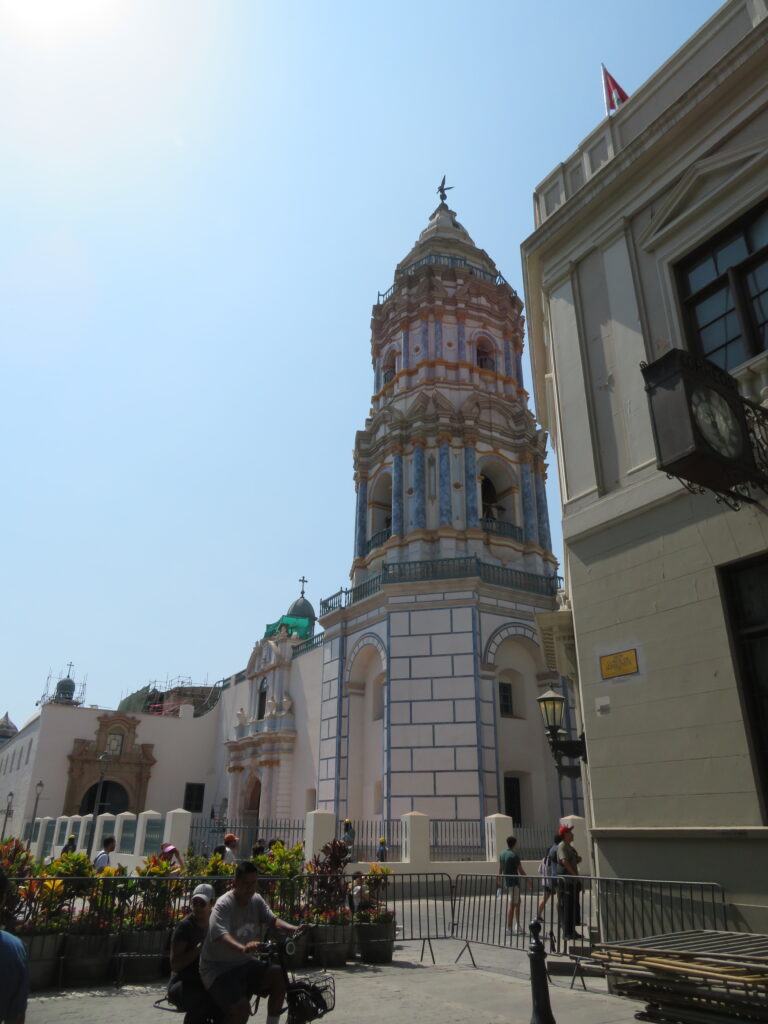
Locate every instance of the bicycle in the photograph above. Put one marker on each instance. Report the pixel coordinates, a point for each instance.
(307, 1000)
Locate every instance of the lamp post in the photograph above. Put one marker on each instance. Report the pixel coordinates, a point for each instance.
(8, 814)
(552, 706)
(103, 761)
(38, 790)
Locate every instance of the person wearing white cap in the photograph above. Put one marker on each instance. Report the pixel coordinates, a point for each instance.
(185, 989)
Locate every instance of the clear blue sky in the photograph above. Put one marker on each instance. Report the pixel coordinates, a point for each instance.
(200, 200)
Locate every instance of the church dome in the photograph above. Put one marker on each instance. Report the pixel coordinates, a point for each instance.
(7, 728)
(65, 689)
(302, 609)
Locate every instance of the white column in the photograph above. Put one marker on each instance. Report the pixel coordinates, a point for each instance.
(320, 829)
(176, 831)
(497, 828)
(105, 826)
(414, 838)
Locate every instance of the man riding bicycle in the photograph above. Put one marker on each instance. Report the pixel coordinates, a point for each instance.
(238, 925)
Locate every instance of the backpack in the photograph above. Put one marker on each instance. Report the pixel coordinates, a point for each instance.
(548, 863)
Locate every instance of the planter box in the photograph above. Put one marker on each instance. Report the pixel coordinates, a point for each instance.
(44, 952)
(332, 944)
(142, 956)
(88, 958)
(375, 942)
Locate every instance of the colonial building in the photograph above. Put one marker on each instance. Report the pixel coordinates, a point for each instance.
(653, 236)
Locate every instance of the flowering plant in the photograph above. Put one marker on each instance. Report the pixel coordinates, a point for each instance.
(338, 915)
(375, 915)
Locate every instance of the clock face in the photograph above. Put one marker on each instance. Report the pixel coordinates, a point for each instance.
(717, 422)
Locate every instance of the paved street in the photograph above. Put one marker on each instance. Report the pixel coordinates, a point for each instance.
(498, 992)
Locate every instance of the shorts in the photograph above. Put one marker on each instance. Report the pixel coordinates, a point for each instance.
(513, 893)
(238, 983)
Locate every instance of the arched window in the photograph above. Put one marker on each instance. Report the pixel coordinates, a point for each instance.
(262, 708)
(485, 354)
(389, 368)
(380, 504)
(498, 501)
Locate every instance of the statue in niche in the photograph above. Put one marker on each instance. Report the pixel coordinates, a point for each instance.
(286, 705)
(271, 708)
(242, 718)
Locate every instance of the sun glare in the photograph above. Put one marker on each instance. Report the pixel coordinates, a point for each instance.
(54, 20)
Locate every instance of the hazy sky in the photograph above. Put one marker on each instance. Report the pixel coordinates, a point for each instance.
(200, 200)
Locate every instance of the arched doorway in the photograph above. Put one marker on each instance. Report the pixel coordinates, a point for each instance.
(114, 799)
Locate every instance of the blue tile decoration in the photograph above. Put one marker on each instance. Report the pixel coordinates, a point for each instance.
(406, 350)
(470, 485)
(445, 485)
(438, 339)
(462, 342)
(507, 358)
(397, 495)
(361, 533)
(419, 491)
(530, 530)
(541, 509)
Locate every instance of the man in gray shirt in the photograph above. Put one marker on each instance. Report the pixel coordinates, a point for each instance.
(237, 928)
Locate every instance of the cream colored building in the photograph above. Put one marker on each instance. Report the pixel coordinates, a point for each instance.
(654, 235)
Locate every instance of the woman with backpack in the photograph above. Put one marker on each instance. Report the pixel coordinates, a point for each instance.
(548, 871)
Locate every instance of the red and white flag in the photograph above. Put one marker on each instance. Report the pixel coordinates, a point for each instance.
(612, 91)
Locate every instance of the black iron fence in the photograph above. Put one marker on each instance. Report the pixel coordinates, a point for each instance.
(577, 912)
(205, 834)
(86, 930)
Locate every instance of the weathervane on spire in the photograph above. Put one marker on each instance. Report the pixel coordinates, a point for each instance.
(442, 188)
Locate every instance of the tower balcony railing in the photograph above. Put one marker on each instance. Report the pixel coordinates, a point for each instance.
(308, 645)
(502, 529)
(445, 260)
(444, 569)
(377, 540)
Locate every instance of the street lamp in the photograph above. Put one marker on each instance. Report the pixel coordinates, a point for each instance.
(38, 790)
(103, 761)
(552, 706)
(8, 814)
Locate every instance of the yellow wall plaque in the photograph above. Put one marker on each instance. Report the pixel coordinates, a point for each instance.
(623, 663)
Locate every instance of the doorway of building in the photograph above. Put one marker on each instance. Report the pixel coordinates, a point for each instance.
(114, 799)
(512, 806)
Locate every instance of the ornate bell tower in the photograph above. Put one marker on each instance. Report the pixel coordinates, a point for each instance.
(452, 555)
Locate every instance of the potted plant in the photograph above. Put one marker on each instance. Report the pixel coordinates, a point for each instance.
(374, 922)
(327, 899)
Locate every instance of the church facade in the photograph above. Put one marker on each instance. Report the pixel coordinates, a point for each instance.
(420, 694)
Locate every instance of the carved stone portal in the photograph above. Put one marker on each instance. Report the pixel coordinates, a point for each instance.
(130, 763)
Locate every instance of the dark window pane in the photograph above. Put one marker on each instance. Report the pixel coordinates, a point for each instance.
(752, 596)
(505, 700)
(701, 274)
(758, 232)
(734, 251)
(714, 306)
(719, 333)
(735, 354)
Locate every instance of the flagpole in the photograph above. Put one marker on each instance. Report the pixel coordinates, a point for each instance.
(605, 91)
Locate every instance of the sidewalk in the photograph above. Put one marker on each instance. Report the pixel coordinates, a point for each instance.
(497, 992)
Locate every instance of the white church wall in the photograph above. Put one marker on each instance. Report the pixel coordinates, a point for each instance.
(305, 685)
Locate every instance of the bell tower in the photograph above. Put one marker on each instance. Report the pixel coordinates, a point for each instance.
(450, 463)
(452, 557)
